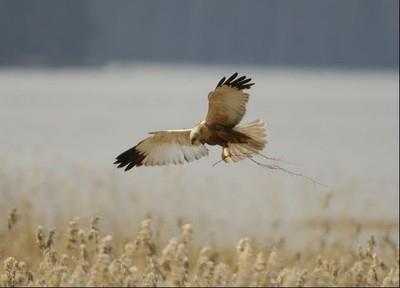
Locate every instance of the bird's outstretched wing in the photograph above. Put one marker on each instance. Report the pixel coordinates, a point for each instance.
(227, 103)
(162, 148)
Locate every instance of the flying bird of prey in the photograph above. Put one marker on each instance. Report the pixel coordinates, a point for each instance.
(226, 108)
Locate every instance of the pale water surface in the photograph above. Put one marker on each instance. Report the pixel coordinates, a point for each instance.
(341, 126)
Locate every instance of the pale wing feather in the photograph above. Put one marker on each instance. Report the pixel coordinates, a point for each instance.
(163, 148)
(226, 106)
(170, 147)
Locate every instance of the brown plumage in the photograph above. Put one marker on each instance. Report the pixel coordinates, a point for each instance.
(226, 108)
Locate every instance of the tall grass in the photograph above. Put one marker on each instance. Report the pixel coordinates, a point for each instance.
(84, 255)
(42, 245)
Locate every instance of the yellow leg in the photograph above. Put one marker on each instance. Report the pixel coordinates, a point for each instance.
(223, 156)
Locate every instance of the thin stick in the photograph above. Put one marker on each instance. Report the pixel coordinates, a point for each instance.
(219, 161)
(276, 167)
(266, 157)
(277, 159)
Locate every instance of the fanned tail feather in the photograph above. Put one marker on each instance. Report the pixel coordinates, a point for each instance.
(256, 142)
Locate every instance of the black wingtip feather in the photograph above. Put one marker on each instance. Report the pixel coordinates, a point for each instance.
(245, 81)
(238, 80)
(130, 158)
(221, 82)
(228, 81)
(239, 83)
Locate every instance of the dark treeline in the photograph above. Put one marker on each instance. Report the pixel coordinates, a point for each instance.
(45, 32)
(351, 33)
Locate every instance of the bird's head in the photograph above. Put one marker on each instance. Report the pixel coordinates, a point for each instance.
(195, 136)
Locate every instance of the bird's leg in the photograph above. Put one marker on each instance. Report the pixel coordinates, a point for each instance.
(223, 154)
(223, 157)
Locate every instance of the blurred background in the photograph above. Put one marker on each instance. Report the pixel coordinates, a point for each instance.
(81, 81)
(349, 34)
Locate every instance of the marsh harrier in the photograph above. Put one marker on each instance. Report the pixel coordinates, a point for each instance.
(226, 108)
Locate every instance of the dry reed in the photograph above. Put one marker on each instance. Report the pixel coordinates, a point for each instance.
(90, 258)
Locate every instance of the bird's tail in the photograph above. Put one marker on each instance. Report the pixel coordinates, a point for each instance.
(254, 143)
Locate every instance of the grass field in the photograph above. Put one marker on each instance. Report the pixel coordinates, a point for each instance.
(121, 250)
(70, 218)
(81, 254)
